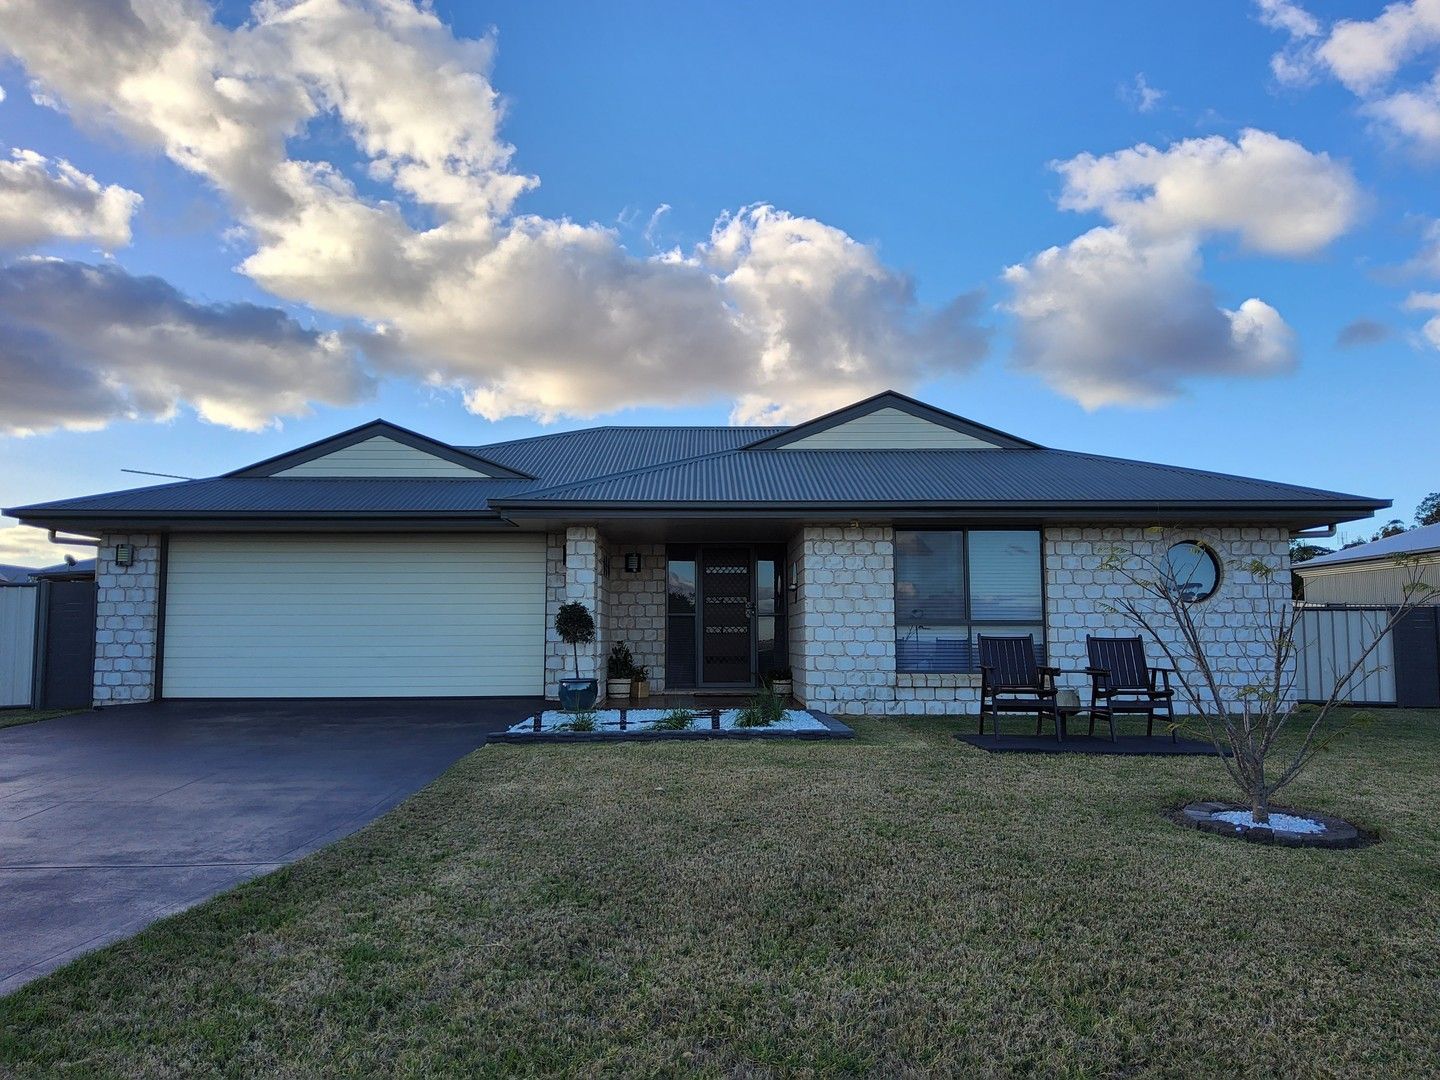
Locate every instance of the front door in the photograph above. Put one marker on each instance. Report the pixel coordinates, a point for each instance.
(726, 616)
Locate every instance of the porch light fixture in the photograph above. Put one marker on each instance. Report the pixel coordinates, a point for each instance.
(632, 562)
(124, 554)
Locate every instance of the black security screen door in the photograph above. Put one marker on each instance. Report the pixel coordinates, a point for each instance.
(726, 616)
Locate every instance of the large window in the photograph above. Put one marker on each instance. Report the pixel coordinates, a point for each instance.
(953, 585)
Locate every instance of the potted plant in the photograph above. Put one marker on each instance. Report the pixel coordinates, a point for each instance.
(640, 683)
(576, 627)
(781, 681)
(619, 671)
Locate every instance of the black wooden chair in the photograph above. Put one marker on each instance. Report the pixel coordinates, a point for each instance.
(1012, 682)
(1122, 682)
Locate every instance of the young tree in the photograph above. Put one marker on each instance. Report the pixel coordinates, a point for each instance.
(576, 627)
(1245, 722)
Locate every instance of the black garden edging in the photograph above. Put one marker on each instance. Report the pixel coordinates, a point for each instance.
(834, 729)
(1338, 833)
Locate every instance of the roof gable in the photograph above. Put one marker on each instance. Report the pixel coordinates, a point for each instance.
(892, 421)
(379, 449)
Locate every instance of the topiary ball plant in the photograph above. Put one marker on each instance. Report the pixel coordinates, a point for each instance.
(576, 627)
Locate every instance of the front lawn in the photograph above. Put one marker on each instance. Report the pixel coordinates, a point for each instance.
(901, 902)
(16, 717)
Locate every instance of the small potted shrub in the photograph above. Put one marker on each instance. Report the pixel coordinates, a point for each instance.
(781, 682)
(576, 627)
(640, 683)
(619, 672)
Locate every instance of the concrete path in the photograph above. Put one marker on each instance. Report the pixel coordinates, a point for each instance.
(110, 820)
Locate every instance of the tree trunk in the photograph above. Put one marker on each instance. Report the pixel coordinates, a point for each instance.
(1260, 808)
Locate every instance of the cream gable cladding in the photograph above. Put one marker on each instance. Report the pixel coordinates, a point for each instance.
(379, 456)
(433, 615)
(888, 429)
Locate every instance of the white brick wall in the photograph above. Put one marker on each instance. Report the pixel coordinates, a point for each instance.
(842, 634)
(127, 611)
(1078, 588)
(842, 631)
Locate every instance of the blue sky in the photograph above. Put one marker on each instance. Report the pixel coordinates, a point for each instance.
(926, 136)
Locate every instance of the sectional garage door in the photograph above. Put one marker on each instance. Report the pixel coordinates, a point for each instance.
(371, 616)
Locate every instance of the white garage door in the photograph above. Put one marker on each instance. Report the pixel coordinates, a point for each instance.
(371, 616)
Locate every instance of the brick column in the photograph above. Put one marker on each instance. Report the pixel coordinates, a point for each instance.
(573, 573)
(127, 616)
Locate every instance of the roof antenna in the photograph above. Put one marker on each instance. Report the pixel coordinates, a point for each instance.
(167, 475)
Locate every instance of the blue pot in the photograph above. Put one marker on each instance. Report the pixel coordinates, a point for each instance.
(578, 693)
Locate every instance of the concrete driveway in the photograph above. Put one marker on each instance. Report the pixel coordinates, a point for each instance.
(110, 820)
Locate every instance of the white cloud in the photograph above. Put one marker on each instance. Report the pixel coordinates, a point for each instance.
(81, 345)
(42, 200)
(1140, 95)
(21, 545)
(519, 314)
(1276, 196)
(1289, 17)
(1367, 56)
(1426, 301)
(1109, 321)
(1364, 53)
(1121, 314)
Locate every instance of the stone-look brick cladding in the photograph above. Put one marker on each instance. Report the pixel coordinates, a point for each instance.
(1078, 589)
(842, 619)
(635, 606)
(573, 561)
(127, 615)
(842, 629)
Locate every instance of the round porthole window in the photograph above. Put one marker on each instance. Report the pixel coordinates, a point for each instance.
(1193, 570)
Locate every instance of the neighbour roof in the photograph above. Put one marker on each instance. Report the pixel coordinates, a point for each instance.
(748, 469)
(1414, 542)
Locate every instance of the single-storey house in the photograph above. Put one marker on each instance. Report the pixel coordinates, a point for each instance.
(1375, 573)
(865, 550)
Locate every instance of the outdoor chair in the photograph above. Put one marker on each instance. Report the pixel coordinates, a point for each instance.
(1122, 682)
(1012, 682)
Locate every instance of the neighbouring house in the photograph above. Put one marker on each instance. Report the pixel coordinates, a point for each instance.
(866, 550)
(1374, 573)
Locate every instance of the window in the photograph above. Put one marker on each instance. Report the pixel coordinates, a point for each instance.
(680, 630)
(1193, 569)
(953, 585)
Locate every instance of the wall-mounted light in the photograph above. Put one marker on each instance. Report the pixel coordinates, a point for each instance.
(124, 554)
(632, 562)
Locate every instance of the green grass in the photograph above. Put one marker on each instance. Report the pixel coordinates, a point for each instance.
(16, 717)
(899, 903)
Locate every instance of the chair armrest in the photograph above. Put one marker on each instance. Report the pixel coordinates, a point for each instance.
(1049, 670)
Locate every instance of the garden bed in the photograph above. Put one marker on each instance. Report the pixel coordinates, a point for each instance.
(557, 725)
(1288, 828)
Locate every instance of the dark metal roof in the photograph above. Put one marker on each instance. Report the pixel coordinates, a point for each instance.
(717, 468)
(567, 456)
(289, 495)
(921, 477)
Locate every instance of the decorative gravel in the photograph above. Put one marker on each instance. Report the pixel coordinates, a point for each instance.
(1299, 829)
(608, 721)
(1245, 819)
